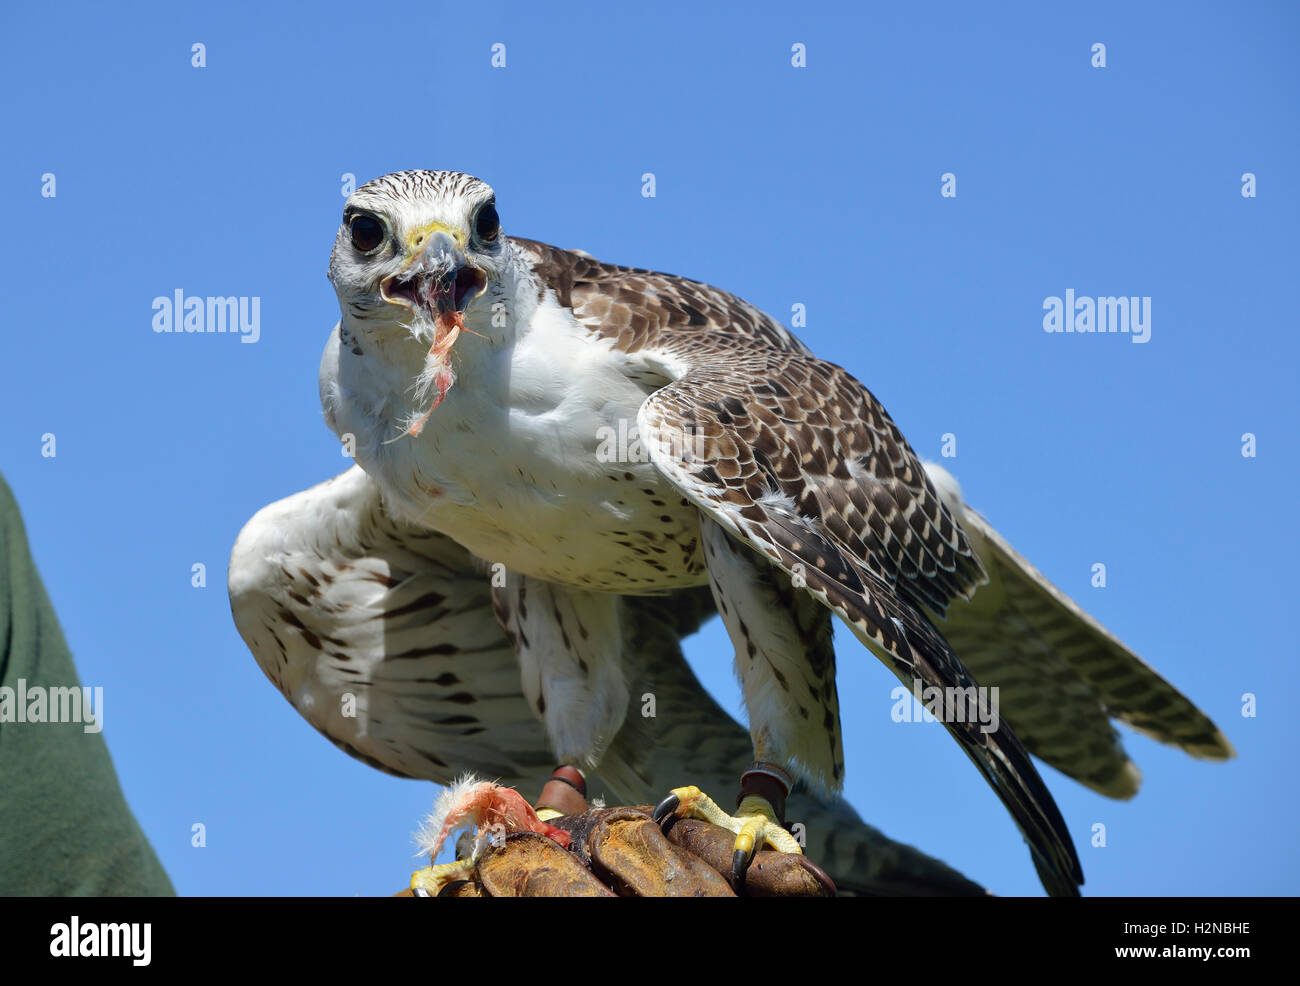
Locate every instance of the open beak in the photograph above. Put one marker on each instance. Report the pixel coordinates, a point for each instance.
(436, 278)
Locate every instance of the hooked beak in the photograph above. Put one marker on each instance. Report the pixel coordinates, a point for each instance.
(436, 278)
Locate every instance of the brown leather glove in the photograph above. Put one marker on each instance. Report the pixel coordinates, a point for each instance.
(621, 852)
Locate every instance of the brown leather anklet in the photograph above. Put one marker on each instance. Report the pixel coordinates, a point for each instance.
(768, 781)
(566, 791)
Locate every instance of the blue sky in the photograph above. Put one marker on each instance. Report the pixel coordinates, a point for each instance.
(817, 185)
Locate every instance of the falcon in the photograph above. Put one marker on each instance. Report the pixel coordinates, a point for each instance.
(477, 379)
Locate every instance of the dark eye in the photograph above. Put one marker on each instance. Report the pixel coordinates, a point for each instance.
(367, 233)
(488, 224)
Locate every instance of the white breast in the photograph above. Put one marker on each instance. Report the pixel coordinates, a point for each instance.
(530, 461)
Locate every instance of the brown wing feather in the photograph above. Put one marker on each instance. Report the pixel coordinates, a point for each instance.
(808, 428)
(639, 308)
(873, 544)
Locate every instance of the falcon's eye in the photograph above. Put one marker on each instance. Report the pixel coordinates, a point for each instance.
(488, 224)
(367, 233)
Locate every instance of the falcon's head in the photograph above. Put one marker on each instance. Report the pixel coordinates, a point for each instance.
(418, 249)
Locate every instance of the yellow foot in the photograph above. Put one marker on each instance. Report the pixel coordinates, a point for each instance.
(430, 881)
(754, 823)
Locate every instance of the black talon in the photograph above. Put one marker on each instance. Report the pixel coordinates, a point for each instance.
(739, 864)
(665, 808)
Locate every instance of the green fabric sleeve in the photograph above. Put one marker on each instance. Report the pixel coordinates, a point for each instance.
(65, 828)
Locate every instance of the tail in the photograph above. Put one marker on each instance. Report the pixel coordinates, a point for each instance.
(917, 650)
(907, 643)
